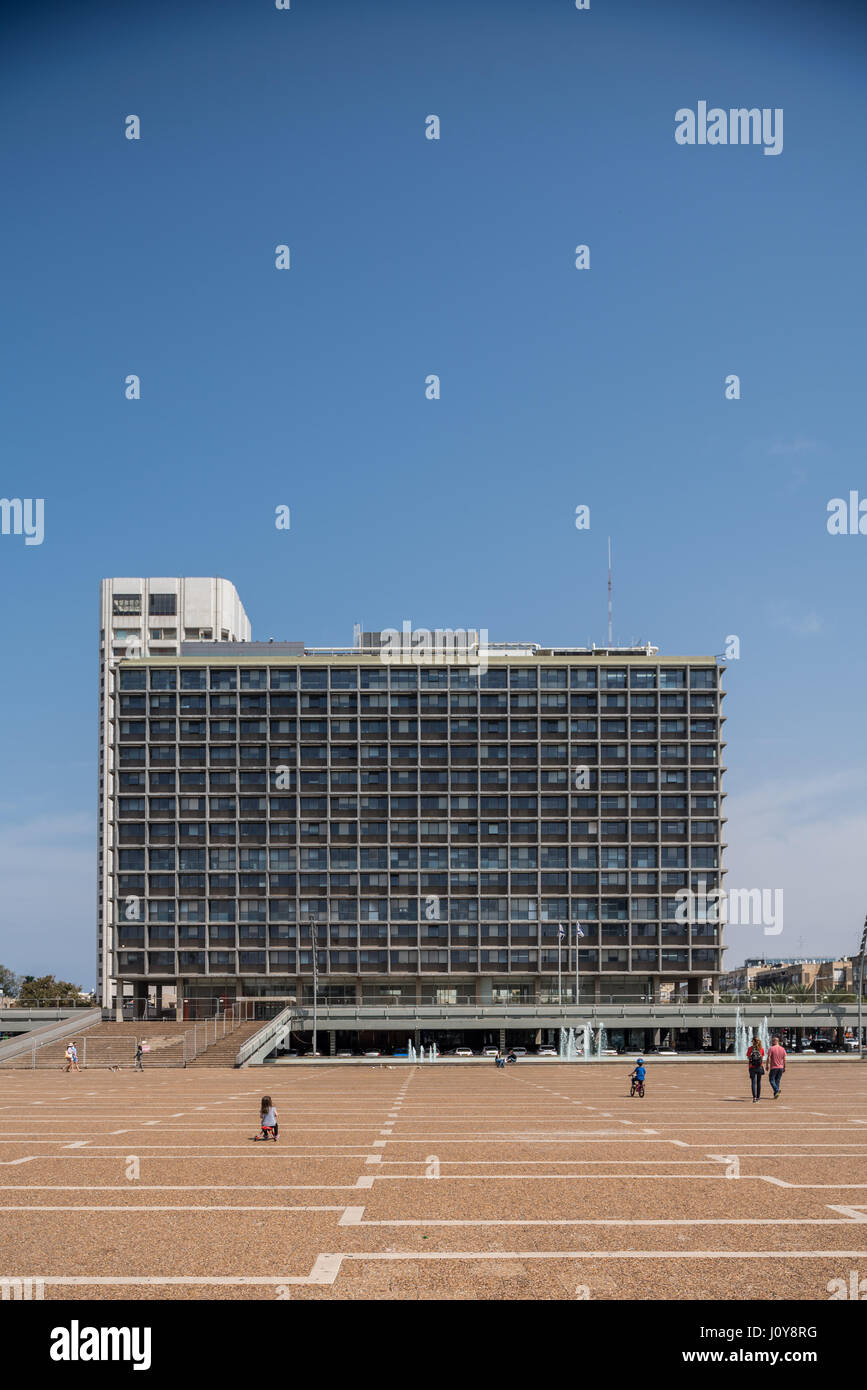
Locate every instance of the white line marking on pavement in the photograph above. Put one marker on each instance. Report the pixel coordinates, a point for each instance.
(188, 1187)
(324, 1271)
(606, 1221)
(125, 1208)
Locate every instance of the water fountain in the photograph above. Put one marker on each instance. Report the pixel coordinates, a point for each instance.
(601, 1041)
(585, 1052)
(434, 1052)
(764, 1034)
(561, 1047)
(740, 1036)
(410, 1051)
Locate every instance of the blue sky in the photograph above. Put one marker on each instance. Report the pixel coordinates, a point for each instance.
(453, 257)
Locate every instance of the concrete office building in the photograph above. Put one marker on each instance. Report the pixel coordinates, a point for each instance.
(141, 618)
(427, 824)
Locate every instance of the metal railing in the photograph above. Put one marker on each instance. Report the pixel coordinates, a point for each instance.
(174, 1049)
(31, 1043)
(61, 1006)
(267, 1037)
(566, 1015)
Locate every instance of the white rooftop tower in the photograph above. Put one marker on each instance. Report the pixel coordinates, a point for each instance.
(148, 617)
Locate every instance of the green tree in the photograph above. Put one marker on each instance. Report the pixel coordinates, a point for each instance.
(8, 981)
(47, 990)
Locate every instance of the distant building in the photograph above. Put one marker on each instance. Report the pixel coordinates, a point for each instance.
(822, 973)
(425, 824)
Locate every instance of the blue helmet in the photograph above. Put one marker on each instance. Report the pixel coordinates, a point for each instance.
(640, 1062)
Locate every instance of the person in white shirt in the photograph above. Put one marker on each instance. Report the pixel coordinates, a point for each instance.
(268, 1120)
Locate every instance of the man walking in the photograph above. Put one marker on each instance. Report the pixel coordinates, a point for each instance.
(138, 1056)
(776, 1066)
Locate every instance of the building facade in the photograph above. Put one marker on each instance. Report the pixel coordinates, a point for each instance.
(427, 827)
(819, 973)
(141, 618)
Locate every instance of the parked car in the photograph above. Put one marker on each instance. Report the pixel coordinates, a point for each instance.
(463, 1052)
(372, 1052)
(546, 1051)
(822, 1045)
(345, 1052)
(518, 1051)
(490, 1051)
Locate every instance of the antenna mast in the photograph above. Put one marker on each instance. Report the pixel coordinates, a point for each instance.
(610, 610)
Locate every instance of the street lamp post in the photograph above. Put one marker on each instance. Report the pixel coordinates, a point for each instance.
(313, 936)
(861, 991)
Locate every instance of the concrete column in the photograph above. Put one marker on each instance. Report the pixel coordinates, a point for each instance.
(502, 1039)
(139, 999)
(332, 1042)
(596, 989)
(118, 1003)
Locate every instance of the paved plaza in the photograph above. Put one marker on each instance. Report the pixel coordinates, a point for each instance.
(435, 1181)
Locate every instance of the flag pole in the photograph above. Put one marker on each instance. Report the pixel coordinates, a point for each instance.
(559, 965)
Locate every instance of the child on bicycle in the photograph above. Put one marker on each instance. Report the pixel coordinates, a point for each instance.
(268, 1120)
(637, 1076)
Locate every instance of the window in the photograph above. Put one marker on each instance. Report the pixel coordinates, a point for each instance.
(703, 679)
(163, 605)
(126, 605)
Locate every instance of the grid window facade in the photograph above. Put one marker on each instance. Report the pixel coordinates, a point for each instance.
(429, 820)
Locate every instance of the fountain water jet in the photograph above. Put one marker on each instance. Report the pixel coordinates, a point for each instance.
(740, 1036)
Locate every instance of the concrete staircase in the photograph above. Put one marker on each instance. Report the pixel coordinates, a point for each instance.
(110, 1044)
(222, 1053)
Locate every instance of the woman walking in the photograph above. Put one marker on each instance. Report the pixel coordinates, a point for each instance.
(756, 1065)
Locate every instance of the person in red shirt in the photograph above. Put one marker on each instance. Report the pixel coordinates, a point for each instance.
(776, 1066)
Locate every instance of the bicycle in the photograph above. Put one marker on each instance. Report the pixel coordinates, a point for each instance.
(637, 1086)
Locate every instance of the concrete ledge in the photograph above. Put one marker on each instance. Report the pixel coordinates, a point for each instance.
(627, 1057)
